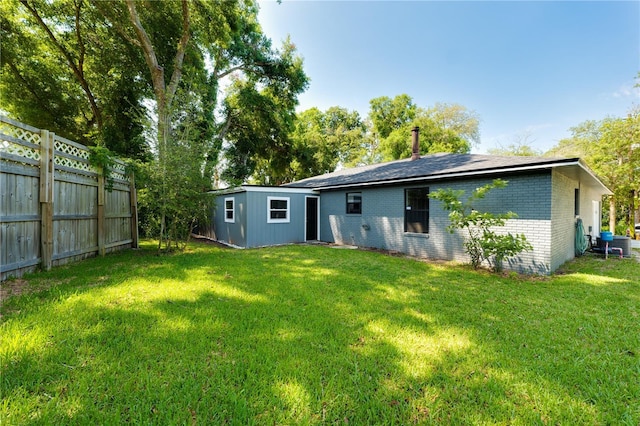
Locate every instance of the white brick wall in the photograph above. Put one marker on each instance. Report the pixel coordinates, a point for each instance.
(563, 219)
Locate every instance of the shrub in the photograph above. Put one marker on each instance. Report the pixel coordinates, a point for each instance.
(482, 243)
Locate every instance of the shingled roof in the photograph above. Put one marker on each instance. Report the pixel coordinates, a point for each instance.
(438, 166)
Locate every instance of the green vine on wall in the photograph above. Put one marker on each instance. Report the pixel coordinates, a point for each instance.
(104, 160)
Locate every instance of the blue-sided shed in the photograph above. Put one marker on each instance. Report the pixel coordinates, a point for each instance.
(255, 216)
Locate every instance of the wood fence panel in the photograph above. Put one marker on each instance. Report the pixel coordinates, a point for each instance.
(51, 201)
(19, 208)
(117, 215)
(74, 220)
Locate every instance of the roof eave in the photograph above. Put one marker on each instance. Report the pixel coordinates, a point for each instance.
(257, 188)
(225, 191)
(590, 172)
(440, 176)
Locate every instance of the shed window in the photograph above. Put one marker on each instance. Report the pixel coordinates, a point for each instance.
(229, 210)
(277, 209)
(354, 203)
(416, 210)
(576, 202)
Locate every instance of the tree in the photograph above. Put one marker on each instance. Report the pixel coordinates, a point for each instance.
(616, 159)
(206, 42)
(175, 198)
(482, 242)
(256, 132)
(164, 46)
(443, 127)
(520, 147)
(611, 147)
(323, 141)
(260, 116)
(583, 138)
(385, 116)
(65, 71)
(457, 119)
(119, 74)
(515, 150)
(388, 114)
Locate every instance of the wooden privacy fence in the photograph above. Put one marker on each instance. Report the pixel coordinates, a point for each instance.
(54, 206)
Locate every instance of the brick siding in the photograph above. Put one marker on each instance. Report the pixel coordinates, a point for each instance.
(381, 223)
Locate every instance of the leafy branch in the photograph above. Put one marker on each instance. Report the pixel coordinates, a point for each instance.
(482, 243)
(104, 160)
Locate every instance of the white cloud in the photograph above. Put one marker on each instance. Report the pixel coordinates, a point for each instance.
(533, 128)
(627, 90)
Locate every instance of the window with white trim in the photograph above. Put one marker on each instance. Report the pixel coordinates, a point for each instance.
(229, 210)
(278, 210)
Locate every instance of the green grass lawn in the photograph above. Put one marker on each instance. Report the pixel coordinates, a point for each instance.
(315, 335)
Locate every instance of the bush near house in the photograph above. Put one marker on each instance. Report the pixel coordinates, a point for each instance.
(482, 242)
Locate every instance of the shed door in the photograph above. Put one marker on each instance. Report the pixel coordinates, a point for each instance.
(311, 219)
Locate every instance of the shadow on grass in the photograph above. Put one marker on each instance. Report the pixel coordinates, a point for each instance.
(311, 335)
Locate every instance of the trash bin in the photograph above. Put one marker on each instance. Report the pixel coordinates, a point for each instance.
(606, 236)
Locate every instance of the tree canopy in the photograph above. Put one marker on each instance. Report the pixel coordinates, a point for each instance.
(178, 82)
(611, 147)
(259, 118)
(337, 137)
(521, 146)
(65, 71)
(322, 141)
(443, 127)
(145, 79)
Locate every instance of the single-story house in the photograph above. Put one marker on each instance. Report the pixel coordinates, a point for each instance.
(387, 206)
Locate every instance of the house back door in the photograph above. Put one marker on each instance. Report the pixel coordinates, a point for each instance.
(311, 232)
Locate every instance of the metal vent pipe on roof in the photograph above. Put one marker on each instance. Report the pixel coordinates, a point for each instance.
(415, 143)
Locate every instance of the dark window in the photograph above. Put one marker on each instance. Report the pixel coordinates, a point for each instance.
(576, 201)
(416, 210)
(354, 203)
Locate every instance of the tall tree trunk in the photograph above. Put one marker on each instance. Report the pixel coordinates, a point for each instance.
(164, 93)
(636, 212)
(631, 207)
(612, 214)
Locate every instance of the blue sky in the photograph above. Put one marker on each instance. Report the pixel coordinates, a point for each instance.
(531, 69)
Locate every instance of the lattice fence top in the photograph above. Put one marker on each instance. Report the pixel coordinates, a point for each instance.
(74, 156)
(24, 141)
(118, 171)
(68, 147)
(17, 130)
(14, 134)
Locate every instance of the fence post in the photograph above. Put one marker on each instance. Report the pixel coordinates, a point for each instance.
(101, 248)
(46, 197)
(133, 198)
